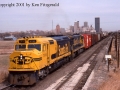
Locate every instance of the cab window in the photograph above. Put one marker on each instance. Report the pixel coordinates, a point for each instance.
(20, 47)
(36, 46)
(44, 47)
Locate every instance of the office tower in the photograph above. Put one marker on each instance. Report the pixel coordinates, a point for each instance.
(77, 24)
(85, 24)
(75, 27)
(58, 29)
(72, 29)
(97, 24)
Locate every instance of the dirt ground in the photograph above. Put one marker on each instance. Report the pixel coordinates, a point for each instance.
(6, 47)
(113, 81)
(104, 79)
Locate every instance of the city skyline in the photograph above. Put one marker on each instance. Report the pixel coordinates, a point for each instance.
(41, 18)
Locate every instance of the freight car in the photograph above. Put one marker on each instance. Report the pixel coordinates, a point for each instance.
(87, 40)
(35, 57)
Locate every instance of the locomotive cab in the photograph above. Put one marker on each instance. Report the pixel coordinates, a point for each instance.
(24, 55)
(28, 57)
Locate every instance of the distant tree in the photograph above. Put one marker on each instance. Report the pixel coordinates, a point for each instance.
(7, 34)
(22, 34)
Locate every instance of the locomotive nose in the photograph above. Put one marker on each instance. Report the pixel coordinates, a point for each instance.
(24, 59)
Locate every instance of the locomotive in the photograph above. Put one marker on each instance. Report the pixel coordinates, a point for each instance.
(35, 57)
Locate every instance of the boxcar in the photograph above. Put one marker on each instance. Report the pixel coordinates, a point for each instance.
(96, 38)
(87, 40)
(92, 39)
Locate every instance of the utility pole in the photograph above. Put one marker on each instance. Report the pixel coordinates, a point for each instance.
(52, 27)
(118, 45)
(52, 24)
(118, 55)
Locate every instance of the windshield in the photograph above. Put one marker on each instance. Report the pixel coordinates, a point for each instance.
(37, 46)
(20, 47)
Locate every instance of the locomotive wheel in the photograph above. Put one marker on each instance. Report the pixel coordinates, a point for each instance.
(47, 71)
(43, 74)
(70, 58)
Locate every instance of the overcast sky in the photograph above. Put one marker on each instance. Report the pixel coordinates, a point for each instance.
(21, 18)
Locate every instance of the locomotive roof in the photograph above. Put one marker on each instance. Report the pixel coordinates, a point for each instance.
(59, 37)
(75, 35)
(37, 38)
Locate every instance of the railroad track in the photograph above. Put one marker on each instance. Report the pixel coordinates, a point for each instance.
(90, 62)
(14, 87)
(6, 87)
(70, 74)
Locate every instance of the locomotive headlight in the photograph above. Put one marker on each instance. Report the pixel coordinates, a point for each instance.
(21, 56)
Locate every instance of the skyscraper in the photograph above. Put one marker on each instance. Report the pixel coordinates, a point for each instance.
(97, 24)
(85, 24)
(72, 29)
(58, 29)
(77, 24)
(76, 27)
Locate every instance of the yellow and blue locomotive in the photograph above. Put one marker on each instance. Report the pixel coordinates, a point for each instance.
(34, 57)
(77, 44)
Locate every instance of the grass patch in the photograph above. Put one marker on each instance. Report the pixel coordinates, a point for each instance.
(6, 44)
(4, 64)
(5, 47)
(3, 75)
(4, 60)
(113, 83)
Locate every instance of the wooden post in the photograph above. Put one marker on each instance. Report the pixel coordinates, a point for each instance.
(108, 65)
(109, 62)
(117, 53)
(118, 56)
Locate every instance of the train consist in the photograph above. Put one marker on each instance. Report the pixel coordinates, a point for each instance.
(35, 57)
